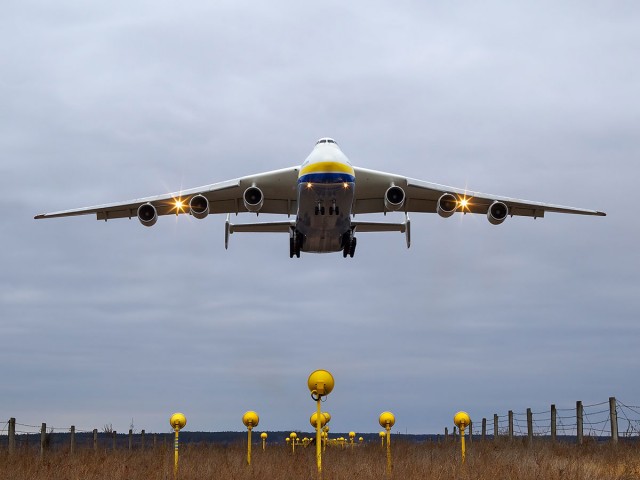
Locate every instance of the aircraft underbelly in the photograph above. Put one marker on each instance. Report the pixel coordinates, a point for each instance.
(323, 233)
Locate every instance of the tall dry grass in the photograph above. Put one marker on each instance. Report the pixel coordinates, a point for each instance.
(410, 461)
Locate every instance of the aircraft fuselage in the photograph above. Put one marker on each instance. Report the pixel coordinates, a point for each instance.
(326, 189)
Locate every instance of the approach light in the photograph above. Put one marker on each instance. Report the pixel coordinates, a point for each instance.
(309, 184)
(462, 420)
(345, 185)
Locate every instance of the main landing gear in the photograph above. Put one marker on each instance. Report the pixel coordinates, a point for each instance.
(349, 244)
(295, 243)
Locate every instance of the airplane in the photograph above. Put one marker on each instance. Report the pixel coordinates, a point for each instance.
(323, 195)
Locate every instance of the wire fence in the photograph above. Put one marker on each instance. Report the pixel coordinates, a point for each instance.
(592, 420)
(24, 435)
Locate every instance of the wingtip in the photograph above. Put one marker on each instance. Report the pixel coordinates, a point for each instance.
(602, 214)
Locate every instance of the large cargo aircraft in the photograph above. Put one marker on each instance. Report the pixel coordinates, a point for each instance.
(323, 196)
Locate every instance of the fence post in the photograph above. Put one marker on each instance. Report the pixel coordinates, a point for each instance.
(484, 429)
(470, 431)
(155, 442)
(142, 439)
(130, 439)
(73, 439)
(95, 440)
(43, 439)
(613, 416)
(579, 412)
(113, 435)
(554, 415)
(12, 435)
(446, 434)
(495, 427)
(529, 427)
(510, 425)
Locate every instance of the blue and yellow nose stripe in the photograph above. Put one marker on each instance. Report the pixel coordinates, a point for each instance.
(326, 172)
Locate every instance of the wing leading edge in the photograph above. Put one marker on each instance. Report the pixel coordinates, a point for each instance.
(422, 197)
(277, 187)
(278, 190)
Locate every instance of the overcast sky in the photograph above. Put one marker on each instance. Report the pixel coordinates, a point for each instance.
(108, 322)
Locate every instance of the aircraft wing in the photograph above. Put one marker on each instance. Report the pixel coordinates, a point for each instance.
(278, 188)
(421, 196)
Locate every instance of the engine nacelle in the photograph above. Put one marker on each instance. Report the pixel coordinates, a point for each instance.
(394, 198)
(497, 213)
(147, 214)
(199, 206)
(253, 199)
(447, 205)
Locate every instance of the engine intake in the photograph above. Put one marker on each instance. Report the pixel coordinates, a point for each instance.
(199, 206)
(447, 205)
(253, 199)
(497, 213)
(394, 198)
(147, 214)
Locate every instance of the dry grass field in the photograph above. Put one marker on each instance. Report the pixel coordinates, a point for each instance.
(410, 461)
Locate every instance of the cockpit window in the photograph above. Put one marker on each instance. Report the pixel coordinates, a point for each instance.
(326, 140)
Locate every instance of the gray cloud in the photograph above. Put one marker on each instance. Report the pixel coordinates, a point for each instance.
(105, 322)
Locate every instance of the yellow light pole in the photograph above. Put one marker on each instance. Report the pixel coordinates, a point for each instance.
(462, 420)
(352, 435)
(250, 420)
(293, 437)
(324, 435)
(263, 436)
(177, 422)
(320, 384)
(360, 440)
(387, 420)
(323, 421)
(382, 435)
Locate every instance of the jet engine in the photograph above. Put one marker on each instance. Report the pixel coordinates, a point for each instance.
(447, 205)
(253, 199)
(497, 213)
(199, 206)
(147, 214)
(394, 198)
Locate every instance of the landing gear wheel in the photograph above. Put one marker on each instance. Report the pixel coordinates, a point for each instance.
(348, 244)
(352, 247)
(295, 244)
